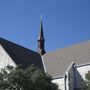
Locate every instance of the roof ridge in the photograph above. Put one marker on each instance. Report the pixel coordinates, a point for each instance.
(69, 46)
(15, 44)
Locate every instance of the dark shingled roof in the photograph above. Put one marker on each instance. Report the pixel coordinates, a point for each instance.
(57, 62)
(20, 55)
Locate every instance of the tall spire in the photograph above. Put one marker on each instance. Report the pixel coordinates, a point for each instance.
(41, 35)
(41, 40)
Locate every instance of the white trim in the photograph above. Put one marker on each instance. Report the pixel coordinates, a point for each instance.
(82, 65)
(43, 64)
(57, 77)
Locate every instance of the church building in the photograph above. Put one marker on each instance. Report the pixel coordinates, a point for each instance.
(67, 66)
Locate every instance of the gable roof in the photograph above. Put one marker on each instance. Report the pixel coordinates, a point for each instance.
(57, 62)
(20, 55)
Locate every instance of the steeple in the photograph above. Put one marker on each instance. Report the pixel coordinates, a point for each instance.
(41, 40)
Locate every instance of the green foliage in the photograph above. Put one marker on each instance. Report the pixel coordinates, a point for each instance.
(88, 81)
(25, 79)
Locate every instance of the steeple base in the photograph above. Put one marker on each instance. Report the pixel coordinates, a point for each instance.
(41, 51)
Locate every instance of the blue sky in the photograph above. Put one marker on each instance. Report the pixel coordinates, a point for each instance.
(65, 22)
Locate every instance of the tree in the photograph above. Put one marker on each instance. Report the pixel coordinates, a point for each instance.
(86, 83)
(88, 80)
(25, 79)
